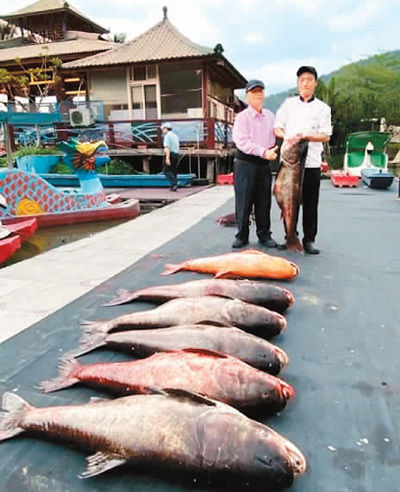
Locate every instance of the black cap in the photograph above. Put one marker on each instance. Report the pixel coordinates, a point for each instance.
(251, 84)
(306, 69)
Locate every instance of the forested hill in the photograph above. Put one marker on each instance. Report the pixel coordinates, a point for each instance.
(390, 60)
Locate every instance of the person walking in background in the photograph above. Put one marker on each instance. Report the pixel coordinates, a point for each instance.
(253, 134)
(306, 117)
(171, 158)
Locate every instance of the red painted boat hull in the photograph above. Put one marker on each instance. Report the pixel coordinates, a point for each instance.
(8, 247)
(124, 210)
(24, 228)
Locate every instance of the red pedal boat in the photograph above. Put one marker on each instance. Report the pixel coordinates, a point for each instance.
(8, 247)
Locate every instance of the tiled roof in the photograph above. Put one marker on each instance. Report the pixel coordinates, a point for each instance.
(54, 49)
(46, 6)
(161, 42)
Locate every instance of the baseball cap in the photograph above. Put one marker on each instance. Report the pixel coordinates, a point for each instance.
(167, 125)
(306, 69)
(251, 84)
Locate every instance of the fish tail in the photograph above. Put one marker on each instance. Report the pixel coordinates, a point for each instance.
(123, 296)
(95, 327)
(171, 268)
(89, 342)
(10, 422)
(67, 367)
(294, 244)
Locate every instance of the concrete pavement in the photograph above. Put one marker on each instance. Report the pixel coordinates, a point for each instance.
(35, 288)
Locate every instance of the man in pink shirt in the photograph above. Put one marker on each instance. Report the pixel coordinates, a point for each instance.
(253, 134)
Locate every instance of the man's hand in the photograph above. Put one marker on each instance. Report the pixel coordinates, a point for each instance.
(167, 162)
(271, 154)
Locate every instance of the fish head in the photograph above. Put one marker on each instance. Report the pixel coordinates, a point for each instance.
(292, 150)
(245, 315)
(266, 362)
(233, 443)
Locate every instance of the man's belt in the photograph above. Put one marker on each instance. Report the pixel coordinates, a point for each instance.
(250, 157)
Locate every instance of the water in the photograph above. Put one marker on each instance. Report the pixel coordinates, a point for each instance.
(48, 238)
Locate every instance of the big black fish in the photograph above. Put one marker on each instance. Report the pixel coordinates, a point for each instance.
(197, 310)
(288, 188)
(177, 430)
(261, 293)
(253, 350)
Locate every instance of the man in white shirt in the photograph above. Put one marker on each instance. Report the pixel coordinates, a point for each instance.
(306, 117)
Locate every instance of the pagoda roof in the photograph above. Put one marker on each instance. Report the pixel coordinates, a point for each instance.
(162, 42)
(59, 48)
(41, 7)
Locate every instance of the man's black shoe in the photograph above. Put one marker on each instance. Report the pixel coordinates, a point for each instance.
(269, 243)
(282, 246)
(309, 248)
(239, 243)
(175, 188)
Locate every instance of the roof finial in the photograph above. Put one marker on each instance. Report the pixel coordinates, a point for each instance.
(165, 12)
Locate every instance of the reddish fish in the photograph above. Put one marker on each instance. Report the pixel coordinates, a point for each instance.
(261, 293)
(141, 343)
(198, 310)
(250, 263)
(288, 189)
(212, 374)
(174, 429)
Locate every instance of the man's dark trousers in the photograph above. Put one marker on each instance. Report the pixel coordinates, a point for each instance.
(311, 185)
(253, 188)
(172, 170)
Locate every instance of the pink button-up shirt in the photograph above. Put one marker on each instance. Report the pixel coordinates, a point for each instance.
(253, 132)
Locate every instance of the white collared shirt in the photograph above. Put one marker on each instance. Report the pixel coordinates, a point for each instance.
(296, 116)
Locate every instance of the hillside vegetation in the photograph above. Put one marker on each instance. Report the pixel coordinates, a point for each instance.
(360, 94)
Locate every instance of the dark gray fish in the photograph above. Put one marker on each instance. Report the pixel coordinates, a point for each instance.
(175, 429)
(198, 310)
(261, 293)
(288, 188)
(253, 350)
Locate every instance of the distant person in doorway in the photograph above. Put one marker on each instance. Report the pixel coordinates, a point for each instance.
(306, 117)
(253, 134)
(171, 158)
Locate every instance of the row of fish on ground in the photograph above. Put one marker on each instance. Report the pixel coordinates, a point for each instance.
(206, 359)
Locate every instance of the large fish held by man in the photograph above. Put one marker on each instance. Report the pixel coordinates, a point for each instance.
(212, 374)
(173, 429)
(250, 263)
(198, 310)
(253, 350)
(255, 292)
(288, 188)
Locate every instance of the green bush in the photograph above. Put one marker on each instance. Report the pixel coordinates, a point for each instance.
(3, 161)
(336, 160)
(61, 168)
(115, 166)
(36, 150)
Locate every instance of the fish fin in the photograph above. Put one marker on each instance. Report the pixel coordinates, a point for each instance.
(65, 379)
(209, 322)
(208, 352)
(89, 342)
(101, 462)
(294, 244)
(224, 274)
(123, 297)
(180, 393)
(15, 406)
(252, 252)
(171, 268)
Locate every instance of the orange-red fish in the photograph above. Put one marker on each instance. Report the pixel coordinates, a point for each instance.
(250, 263)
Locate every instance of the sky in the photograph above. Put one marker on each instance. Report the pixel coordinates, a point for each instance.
(263, 39)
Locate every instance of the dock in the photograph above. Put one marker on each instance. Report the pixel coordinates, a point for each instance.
(342, 336)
